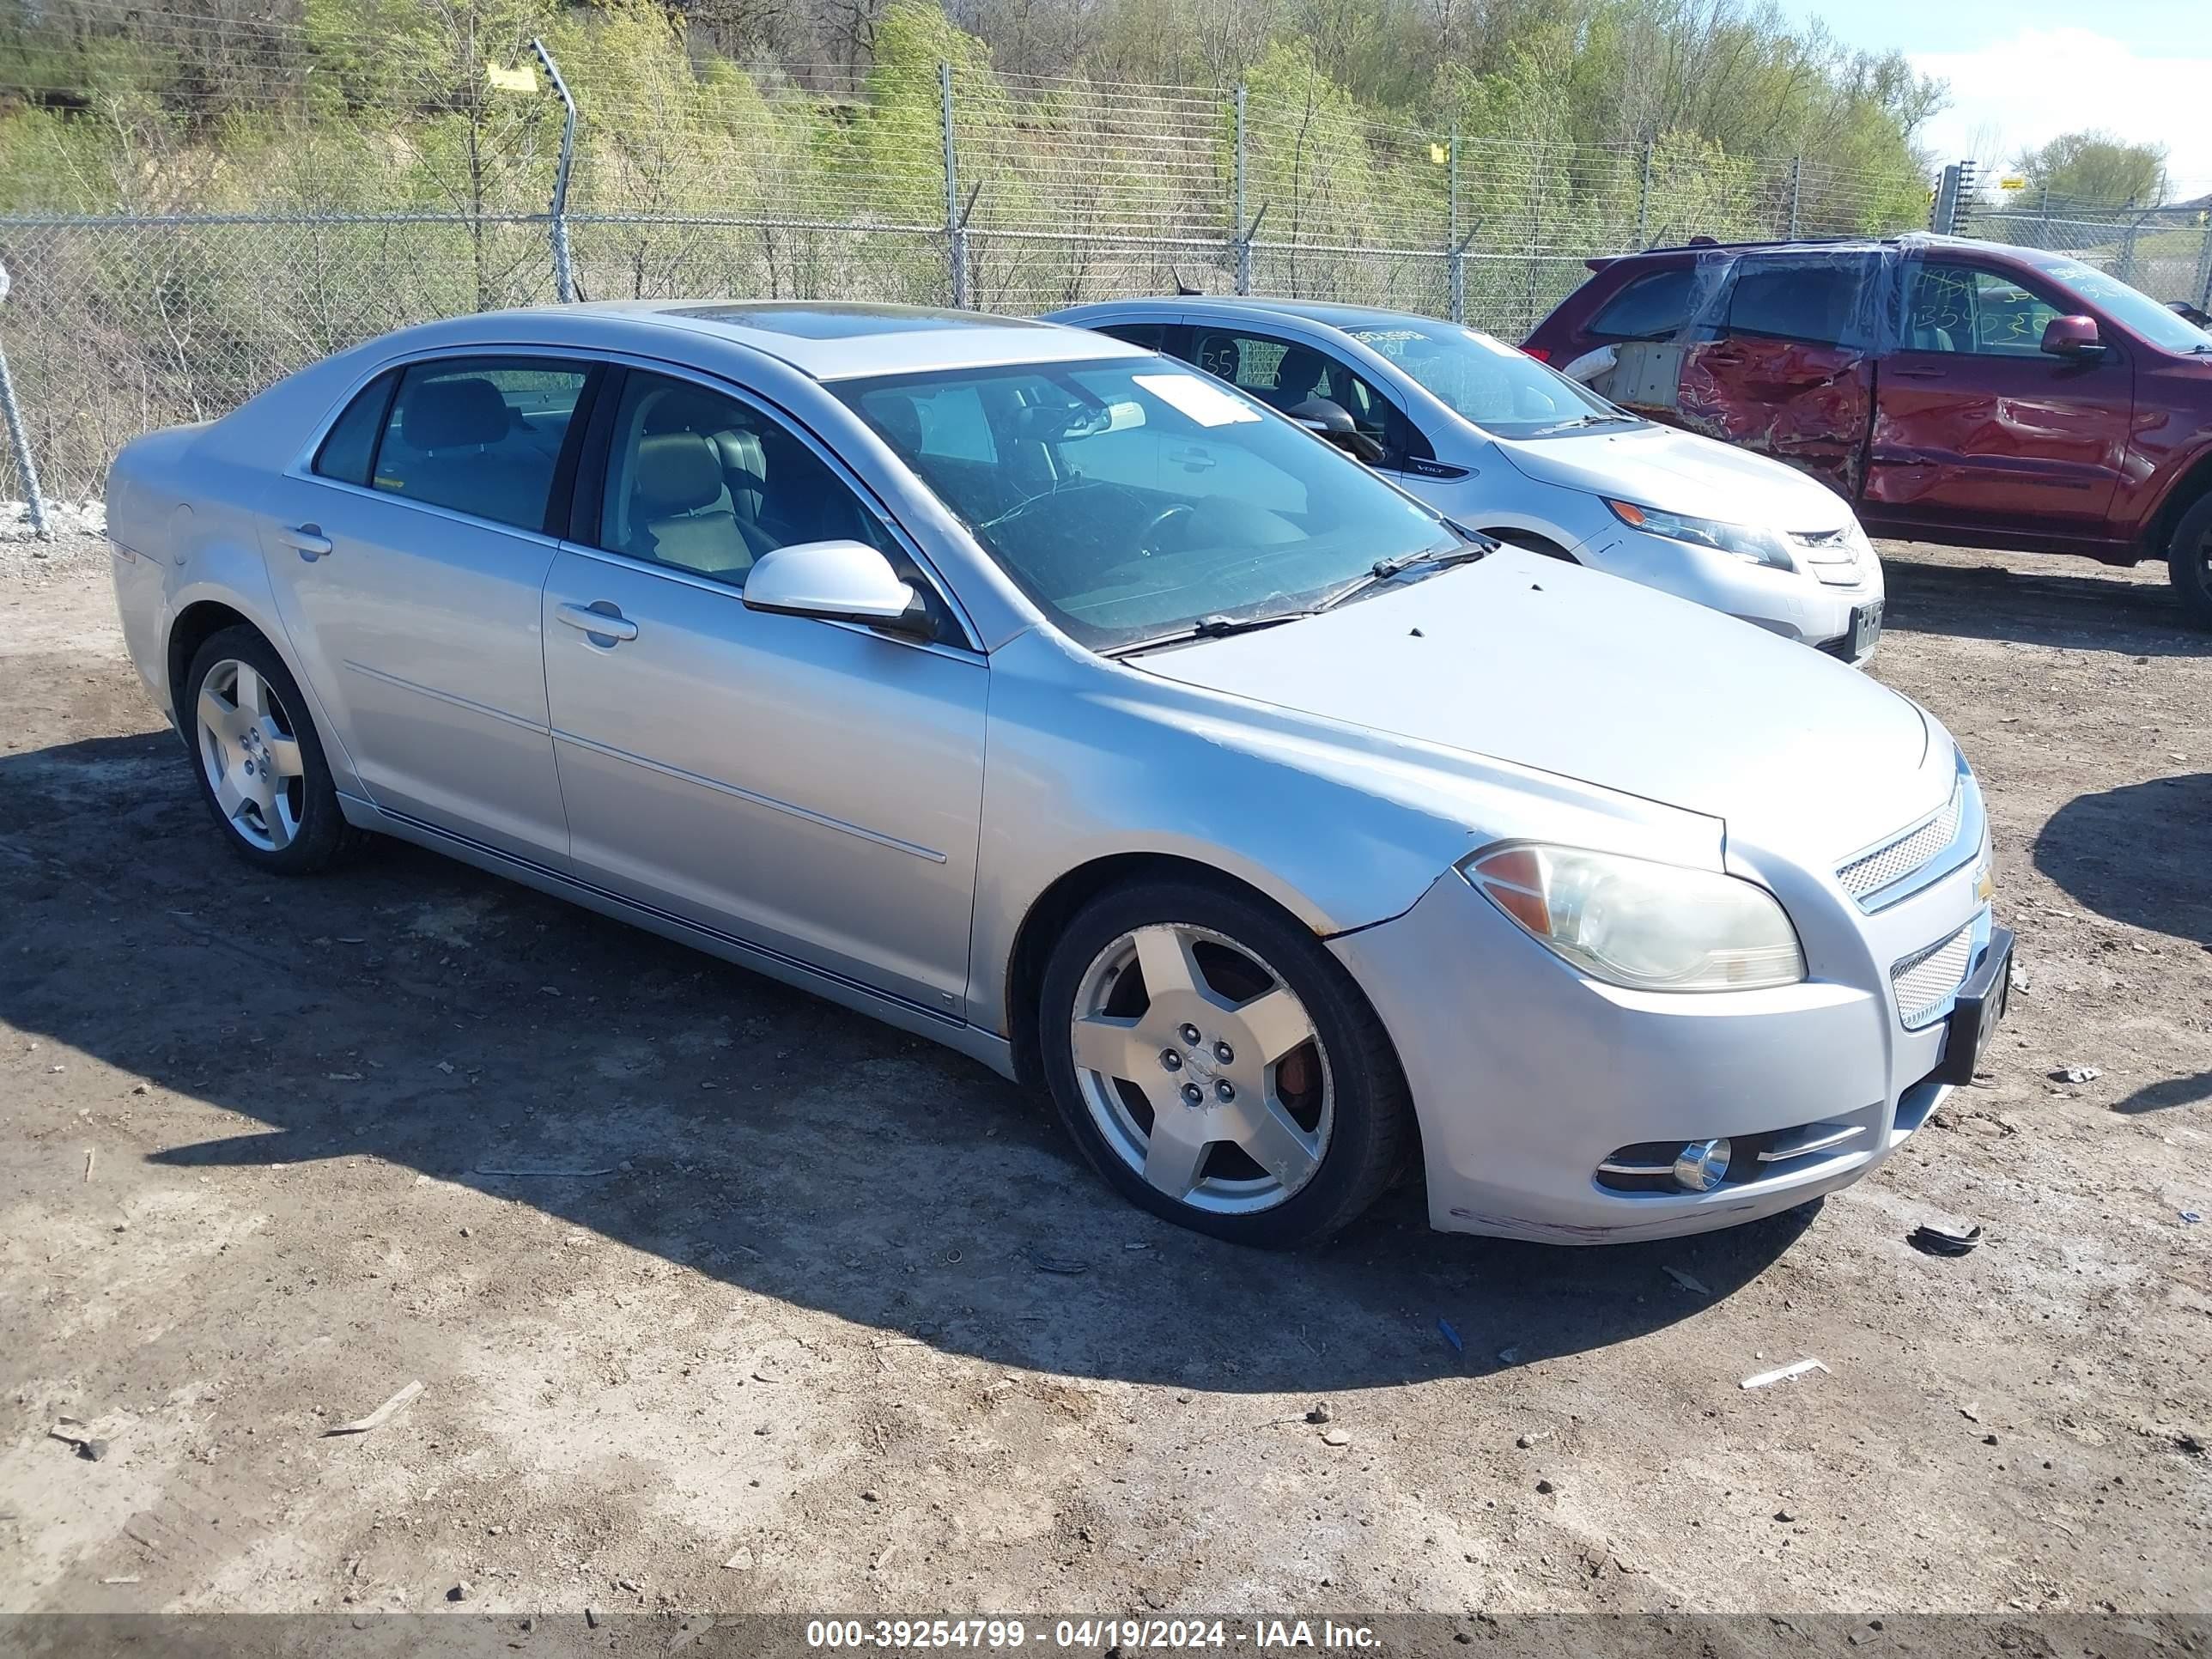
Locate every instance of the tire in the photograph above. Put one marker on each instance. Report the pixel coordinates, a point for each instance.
(259, 760)
(1290, 1065)
(2189, 560)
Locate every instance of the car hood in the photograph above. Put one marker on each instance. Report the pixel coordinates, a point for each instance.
(1675, 471)
(1547, 665)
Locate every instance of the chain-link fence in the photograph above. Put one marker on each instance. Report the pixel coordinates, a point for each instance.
(2165, 252)
(204, 271)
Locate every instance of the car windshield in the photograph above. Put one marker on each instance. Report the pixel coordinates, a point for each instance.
(2130, 307)
(1505, 391)
(1132, 499)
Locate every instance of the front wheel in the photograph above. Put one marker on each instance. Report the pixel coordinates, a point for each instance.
(1219, 1066)
(2189, 560)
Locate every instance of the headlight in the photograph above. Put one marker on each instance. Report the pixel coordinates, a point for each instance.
(1756, 546)
(1646, 925)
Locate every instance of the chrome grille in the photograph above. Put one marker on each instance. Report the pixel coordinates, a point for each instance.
(1872, 871)
(1924, 981)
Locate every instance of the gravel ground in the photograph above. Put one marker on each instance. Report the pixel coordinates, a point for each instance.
(792, 1312)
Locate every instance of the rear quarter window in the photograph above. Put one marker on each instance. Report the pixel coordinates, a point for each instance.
(1653, 307)
(350, 445)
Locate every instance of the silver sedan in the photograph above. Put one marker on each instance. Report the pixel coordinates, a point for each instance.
(1060, 703)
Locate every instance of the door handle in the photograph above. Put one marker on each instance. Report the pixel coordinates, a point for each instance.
(609, 624)
(308, 538)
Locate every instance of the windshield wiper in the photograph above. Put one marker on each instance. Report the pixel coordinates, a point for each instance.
(1214, 628)
(1383, 570)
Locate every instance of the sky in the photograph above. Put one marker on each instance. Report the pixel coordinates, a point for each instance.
(2022, 71)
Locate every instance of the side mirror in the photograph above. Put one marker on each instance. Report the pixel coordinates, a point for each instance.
(2072, 337)
(1333, 422)
(836, 582)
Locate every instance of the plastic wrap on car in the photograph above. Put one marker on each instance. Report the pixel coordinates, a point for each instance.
(1803, 402)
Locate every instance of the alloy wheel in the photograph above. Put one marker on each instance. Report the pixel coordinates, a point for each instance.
(1201, 1068)
(250, 752)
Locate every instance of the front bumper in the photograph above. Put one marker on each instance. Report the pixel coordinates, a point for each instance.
(1526, 1076)
(1794, 604)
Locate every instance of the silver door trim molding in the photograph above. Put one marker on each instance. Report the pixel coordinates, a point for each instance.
(821, 819)
(456, 701)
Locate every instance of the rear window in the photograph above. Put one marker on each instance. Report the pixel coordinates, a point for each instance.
(480, 435)
(350, 443)
(1818, 303)
(1652, 308)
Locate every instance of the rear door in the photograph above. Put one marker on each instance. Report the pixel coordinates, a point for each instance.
(1782, 362)
(407, 558)
(813, 787)
(1975, 427)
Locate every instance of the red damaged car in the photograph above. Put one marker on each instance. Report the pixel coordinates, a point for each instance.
(1953, 391)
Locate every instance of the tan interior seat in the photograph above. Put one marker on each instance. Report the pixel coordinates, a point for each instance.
(680, 510)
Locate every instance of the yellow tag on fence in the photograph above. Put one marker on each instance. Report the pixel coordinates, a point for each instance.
(524, 79)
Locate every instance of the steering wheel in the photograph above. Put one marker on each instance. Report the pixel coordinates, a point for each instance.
(1159, 521)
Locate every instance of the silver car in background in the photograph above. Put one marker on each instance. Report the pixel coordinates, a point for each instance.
(1503, 444)
(1060, 703)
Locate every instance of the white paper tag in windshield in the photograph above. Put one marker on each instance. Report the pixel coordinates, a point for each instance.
(1203, 401)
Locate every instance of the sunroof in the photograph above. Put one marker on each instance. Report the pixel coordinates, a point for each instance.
(841, 322)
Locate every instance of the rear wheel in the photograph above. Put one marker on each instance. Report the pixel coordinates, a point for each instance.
(257, 757)
(1219, 1066)
(2189, 560)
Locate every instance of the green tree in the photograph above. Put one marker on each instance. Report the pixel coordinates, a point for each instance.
(2096, 167)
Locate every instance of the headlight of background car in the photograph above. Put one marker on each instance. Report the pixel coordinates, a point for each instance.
(1756, 546)
(1649, 927)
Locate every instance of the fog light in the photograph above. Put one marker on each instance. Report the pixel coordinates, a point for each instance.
(1702, 1165)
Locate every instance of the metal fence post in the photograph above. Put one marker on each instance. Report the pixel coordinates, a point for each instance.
(564, 272)
(20, 445)
(1643, 200)
(1243, 231)
(1797, 189)
(2203, 293)
(1455, 251)
(956, 223)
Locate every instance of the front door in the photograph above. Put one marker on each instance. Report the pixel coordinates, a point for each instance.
(407, 562)
(1283, 372)
(1975, 424)
(812, 787)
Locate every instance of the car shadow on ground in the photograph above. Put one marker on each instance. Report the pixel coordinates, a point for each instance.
(412, 1011)
(2074, 602)
(2098, 848)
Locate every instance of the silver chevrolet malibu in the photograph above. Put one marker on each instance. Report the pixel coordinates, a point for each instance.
(1050, 699)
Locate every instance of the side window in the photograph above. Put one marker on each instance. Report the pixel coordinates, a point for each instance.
(480, 434)
(1153, 337)
(1973, 312)
(700, 481)
(1816, 301)
(349, 446)
(1284, 375)
(1654, 307)
(2008, 320)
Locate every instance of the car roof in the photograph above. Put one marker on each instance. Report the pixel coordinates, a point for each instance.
(1904, 239)
(834, 340)
(1326, 312)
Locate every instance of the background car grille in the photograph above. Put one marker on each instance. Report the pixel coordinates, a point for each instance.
(1874, 871)
(1926, 979)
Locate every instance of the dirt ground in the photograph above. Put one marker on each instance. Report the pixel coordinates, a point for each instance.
(792, 1312)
